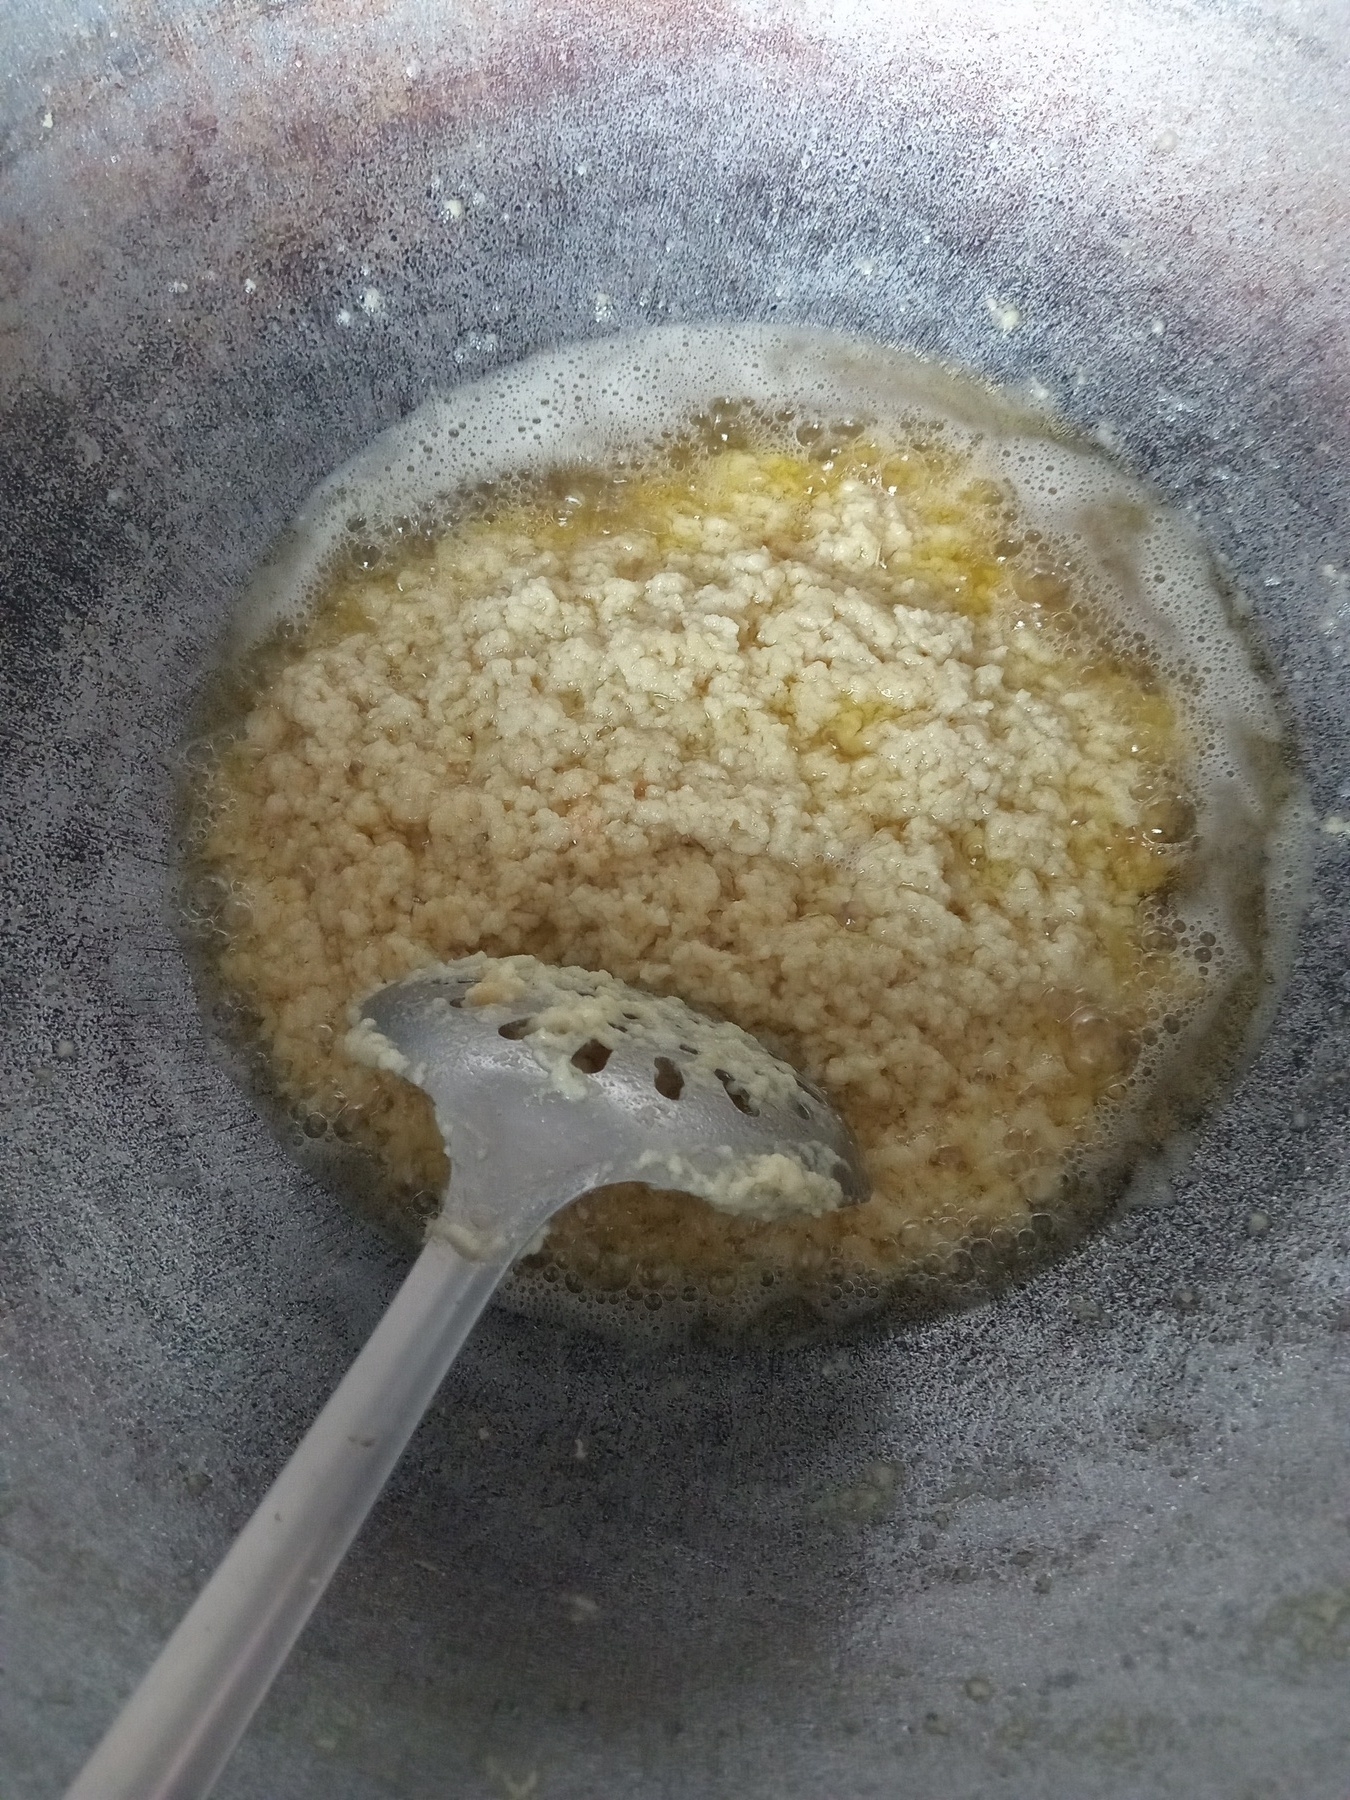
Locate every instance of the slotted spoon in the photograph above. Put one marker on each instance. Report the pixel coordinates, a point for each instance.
(538, 1106)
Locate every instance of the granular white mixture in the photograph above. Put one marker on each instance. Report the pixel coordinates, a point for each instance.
(828, 743)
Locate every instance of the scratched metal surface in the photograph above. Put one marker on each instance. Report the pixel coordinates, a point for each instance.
(1091, 1541)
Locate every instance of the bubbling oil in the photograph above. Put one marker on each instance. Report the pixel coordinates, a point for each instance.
(747, 517)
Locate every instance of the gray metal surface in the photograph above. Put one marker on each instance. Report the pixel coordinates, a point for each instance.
(638, 1101)
(1091, 1541)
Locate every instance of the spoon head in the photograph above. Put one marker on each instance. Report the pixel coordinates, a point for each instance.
(549, 1082)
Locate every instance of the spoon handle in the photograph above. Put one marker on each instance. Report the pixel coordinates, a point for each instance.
(173, 1736)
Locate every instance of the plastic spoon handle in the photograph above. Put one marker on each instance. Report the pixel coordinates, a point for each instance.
(173, 1736)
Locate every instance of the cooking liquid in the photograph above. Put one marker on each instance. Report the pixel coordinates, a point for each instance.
(1047, 610)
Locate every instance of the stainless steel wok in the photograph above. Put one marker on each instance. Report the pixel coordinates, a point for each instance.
(1091, 1540)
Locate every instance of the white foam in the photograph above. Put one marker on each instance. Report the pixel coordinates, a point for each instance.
(591, 403)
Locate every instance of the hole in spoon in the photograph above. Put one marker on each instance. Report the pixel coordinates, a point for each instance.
(591, 1057)
(516, 1028)
(668, 1079)
(736, 1093)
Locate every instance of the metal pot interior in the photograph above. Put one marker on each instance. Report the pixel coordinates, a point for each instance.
(1089, 1540)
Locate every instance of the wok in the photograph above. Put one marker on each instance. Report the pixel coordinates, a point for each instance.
(1090, 1540)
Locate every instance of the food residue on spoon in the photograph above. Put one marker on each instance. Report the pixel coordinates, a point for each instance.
(574, 1019)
